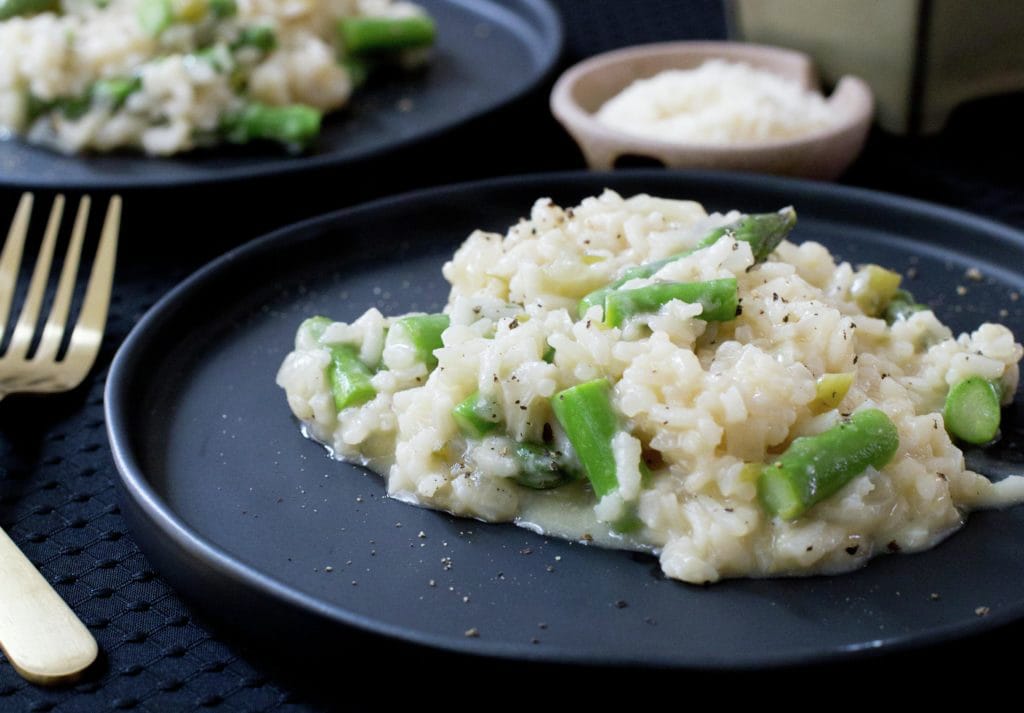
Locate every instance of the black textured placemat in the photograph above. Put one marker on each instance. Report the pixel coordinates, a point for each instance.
(57, 494)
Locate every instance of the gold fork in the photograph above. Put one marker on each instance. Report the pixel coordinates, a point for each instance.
(42, 638)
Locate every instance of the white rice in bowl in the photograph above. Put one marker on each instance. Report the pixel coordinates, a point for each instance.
(701, 408)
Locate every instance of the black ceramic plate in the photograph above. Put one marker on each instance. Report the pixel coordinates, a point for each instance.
(239, 510)
(518, 40)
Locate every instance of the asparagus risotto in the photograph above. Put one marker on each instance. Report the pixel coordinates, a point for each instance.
(169, 75)
(638, 373)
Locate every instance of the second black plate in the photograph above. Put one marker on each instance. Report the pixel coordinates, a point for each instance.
(488, 53)
(236, 508)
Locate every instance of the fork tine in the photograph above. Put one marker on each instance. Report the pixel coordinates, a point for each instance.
(21, 339)
(10, 261)
(53, 330)
(88, 332)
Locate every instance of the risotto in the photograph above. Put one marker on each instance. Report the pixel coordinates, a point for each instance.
(638, 373)
(167, 76)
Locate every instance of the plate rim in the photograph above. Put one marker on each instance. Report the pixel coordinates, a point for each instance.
(135, 487)
(550, 23)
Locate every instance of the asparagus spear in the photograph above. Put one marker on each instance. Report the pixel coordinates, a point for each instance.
(315, 327)
(764, 232)
(259, 36)
(295, 125)
(13, 8)
(155, 16)
(972, 411)
(585, 412)
(815, 467)
(874, 288)
(831, 389)
(109, 92)
(477, 415)
(373, 35)
(223, 8)
(349, 377)
(115, 91)
(424, 334)
(540, 468)
(901, 306)
(718, 297)
(358, 69)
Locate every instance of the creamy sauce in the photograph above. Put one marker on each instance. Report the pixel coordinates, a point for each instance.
(568, 513)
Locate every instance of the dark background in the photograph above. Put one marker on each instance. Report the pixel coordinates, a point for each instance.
(59, 503)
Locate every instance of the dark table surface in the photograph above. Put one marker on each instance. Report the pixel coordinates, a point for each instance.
(59, 503)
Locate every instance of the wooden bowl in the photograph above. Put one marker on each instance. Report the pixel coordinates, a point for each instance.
(824, 153)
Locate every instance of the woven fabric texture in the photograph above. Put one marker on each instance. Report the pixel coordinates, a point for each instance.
(57, 495)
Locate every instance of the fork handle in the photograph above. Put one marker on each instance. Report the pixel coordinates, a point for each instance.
(43, 639)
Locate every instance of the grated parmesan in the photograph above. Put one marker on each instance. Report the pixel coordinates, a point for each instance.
(718, 103)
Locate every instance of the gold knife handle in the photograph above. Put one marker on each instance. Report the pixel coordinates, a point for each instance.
(42, 638)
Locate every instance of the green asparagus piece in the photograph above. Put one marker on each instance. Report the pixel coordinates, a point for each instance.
(874, 288)
(259, 36)
(540, 468)
(155, 16)
(109, 92)
(295, 125)
(901, 306)
(477, 415)
(718, 297)
(349, 377)
(424, 332)
(217, 56)
(816, 467)
(316, 326)
(586, 414)
(14, 8)
(831, 389)
(358, 69)
(35, 107)
(114, 92)
(223, 8)
(73, 107)
(373, 35)
(972, 411)
(764, 232)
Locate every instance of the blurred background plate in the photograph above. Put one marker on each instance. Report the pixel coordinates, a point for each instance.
(257, 525)
(521, 40)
